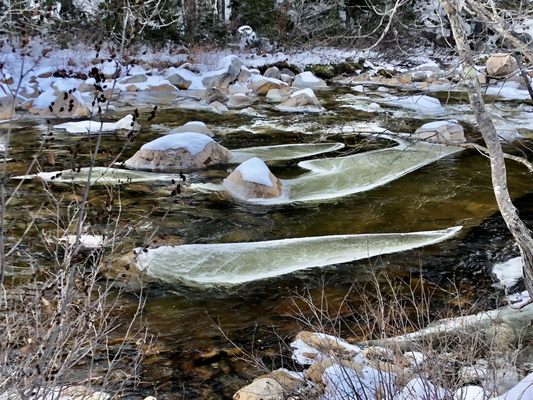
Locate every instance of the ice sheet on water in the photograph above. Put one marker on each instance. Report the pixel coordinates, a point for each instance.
(101, 176)
(234, 263)
(283, 151)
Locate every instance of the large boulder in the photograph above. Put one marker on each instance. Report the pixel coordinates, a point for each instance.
(308, 80)
(501, 65)
(447, 132)
(253, 180)
(301, 101)
(224, 76)
(179, 152)
(195, 127)
(213, 94)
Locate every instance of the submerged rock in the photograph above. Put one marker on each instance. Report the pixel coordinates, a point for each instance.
(501, 65)
(446, 132)
(253, 180)
(301, 101)
(179, 152)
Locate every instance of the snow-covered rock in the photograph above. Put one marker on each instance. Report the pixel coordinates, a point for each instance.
(310, 346)
(224, 76)
(522, 391)
(501, 65)
(303, 100)
(127, 123)
(308, 80)
(447, 132)
(193, 126)
(179, 152)
(421, 389)
(419, 103)
(470, 392)
(139, 78)
(60, 103)
(253, 180)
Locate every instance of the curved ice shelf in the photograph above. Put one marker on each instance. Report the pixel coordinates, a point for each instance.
(234, 263)
(341, 176)
(283, 151)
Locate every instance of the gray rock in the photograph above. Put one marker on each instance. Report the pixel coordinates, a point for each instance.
(272, 72)
(225, 76)
(447, 132)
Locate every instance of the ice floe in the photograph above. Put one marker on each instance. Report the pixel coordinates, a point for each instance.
(284, 151)
(92, 127)
(234, 263)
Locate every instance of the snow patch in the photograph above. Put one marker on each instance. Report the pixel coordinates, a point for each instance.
(509, 272)
(193, 142)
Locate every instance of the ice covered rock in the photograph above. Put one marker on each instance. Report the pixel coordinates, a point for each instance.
(127, 123)
(179, 152)
(273, 72)
(193, 126)
(277, 95)
(501, 65)
(446, 132)
(224, 76)
(261, 389)
(308, 80)
(253, 180)
(239, 100)
(261, 85)
(303, 100)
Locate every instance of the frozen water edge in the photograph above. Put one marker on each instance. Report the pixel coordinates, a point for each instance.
(235, 263)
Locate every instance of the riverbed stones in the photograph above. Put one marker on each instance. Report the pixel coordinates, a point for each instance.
(213, 94)
(500, 65)
(303, 100)
(308, 80)
(446, 132)
(253, 180)
(174, 77)
(179, 152)
(260, 389)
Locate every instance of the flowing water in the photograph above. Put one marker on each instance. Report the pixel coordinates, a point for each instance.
(192, 325)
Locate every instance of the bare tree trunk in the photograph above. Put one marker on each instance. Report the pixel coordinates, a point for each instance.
(190, 11)
(221, 6)
(516, 226)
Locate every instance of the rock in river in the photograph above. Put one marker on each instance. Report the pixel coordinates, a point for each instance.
(252, 180)
(179, 152)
